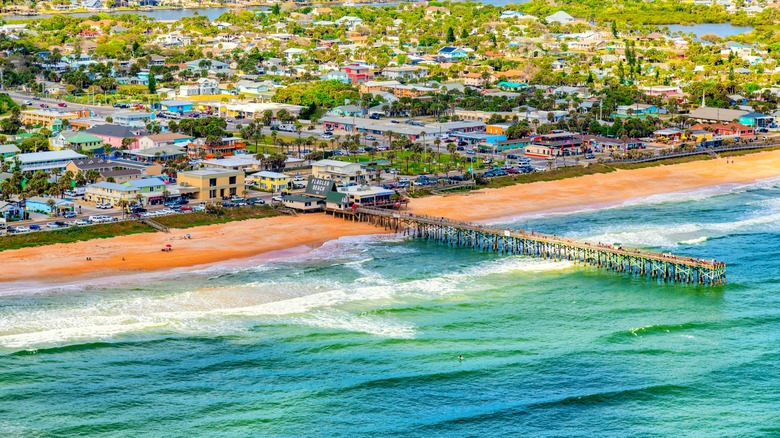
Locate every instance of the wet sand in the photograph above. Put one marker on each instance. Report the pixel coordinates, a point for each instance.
(230, 243)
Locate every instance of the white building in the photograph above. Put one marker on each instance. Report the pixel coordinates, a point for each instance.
(45, 161)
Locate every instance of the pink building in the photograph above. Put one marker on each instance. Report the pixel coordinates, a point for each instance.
(114, 134)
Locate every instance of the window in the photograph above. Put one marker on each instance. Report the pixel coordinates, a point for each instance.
(212, 182)
(232, 180)
(212, 193)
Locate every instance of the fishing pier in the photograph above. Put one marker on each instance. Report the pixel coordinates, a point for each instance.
(664, 267)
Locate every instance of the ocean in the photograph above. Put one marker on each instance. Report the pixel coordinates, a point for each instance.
(361, 337)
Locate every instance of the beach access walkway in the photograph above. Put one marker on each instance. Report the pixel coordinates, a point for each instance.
(665, 267)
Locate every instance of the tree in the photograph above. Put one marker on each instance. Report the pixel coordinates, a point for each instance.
(464, 33)
(152, 84)
(127, 141)
(450, 35)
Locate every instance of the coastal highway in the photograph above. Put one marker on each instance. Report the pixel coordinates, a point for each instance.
(99, 110)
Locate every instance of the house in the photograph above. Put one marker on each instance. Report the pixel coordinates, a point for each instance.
(152, 189)
(212, 183)
(271, 181)
(46, 161)
(669, 134)
(208, 86)
(303, 203)
(473, 79)
(338, 171)
(224, 147)
(347, 111)
(293, 53)
(606, 144)
(206, 64)
(663, 91)
(8, 150)
(84, 142)
(358, 73)
(9, 210)
(251, 87)
(405, 73)
(335, 75)
(111, 193)
(115, 135)
(164, 139)
(732, 129)
(451, 52)
(559, 17)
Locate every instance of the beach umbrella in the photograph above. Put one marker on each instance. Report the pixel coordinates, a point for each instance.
(168, 245)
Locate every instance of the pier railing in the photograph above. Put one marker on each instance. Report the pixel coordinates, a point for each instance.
(662, 266)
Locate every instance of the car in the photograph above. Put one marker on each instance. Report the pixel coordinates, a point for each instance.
(589, 156)
(256, 202)
(27, 102)
(462, 143)
(35, 227)
(53, 226)
(277, 199)
(198, 208)
(83, 222)
(36, 98)
(43, 105)
(375, 116)
(166, 211)
(185, 208)
(471, 152)
(457, 178)
(512, 171)
(69, 214)
(370, 137)
(511, 157)
(62, 105)
(394, 121)
(449, 140)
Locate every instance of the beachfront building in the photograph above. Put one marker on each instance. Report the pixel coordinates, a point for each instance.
(111, 193)
(303, 203)
(605, 144)
(367, 196)
(555, 145)
(716, 115)
(271, 181)
(212, 183)
(152, 189)
(339, 171)
(46, 161)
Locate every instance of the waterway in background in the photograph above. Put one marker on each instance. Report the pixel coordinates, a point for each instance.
(723, 30)
(362, 337)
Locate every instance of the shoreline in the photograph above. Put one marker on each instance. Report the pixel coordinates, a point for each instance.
(260, 240)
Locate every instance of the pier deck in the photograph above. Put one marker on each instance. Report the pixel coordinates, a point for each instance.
(662, 266)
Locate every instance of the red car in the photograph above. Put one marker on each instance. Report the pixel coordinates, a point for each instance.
(185, 208)
(62, 104)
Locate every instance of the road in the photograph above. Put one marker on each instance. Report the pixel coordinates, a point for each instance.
(98, 110)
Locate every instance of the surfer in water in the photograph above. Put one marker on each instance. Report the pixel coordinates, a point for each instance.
(460, 357)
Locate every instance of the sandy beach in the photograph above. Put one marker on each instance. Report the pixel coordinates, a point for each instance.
(63, 263)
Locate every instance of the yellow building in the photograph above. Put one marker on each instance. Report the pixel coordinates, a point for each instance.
(47, 117)
(497, 129)
(110, 193)
(271, 181)
(212, 183)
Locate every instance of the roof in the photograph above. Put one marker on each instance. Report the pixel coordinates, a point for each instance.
(269, 174)
(114, 186)
(709, 113)
(8, 149)
(146, 182)
(167, 136)
(208, 171)
(334, 163)
(35, 157)
(301, 198)
(82, 137)
(111, 131)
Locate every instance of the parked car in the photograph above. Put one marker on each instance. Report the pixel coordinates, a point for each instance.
(62, 105)
(589, 156)
(70, 214)
(83, 222)
(370, 137)
(35, 227)
(27, 102)
(52, 226)
(185, 208)
(375, 116)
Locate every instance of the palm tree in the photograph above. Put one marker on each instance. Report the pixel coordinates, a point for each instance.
(140, 199)
(123, 203)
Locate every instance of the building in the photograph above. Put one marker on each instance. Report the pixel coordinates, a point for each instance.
(732, 129)
(8, 150)
(555, 145)
(105, 167)
(637, 110)
(212, 183)
(50, 206)
(559, 17)
(225, 147)
(111, 193)
(716, 115)
(164, 139)
(152, 189)
(50, 118)
(271, 181)
(303, 203)
(358, 73)
(45, 161)
(339, 171)
(405, 73)
(756, 120)
(84, 142)
(474, 79)
(176, 106)
(115, 135)
(606, 144)
(132, 118)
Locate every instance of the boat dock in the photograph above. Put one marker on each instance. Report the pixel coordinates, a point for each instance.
(664, 267)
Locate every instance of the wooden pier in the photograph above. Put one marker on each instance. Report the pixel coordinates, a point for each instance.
(661, 266)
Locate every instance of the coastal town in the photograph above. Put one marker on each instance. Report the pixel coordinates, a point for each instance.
(117, 116)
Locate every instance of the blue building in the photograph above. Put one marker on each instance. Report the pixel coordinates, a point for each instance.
(176, 106)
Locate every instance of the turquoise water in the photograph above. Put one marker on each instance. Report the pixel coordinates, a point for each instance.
(361, 337)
